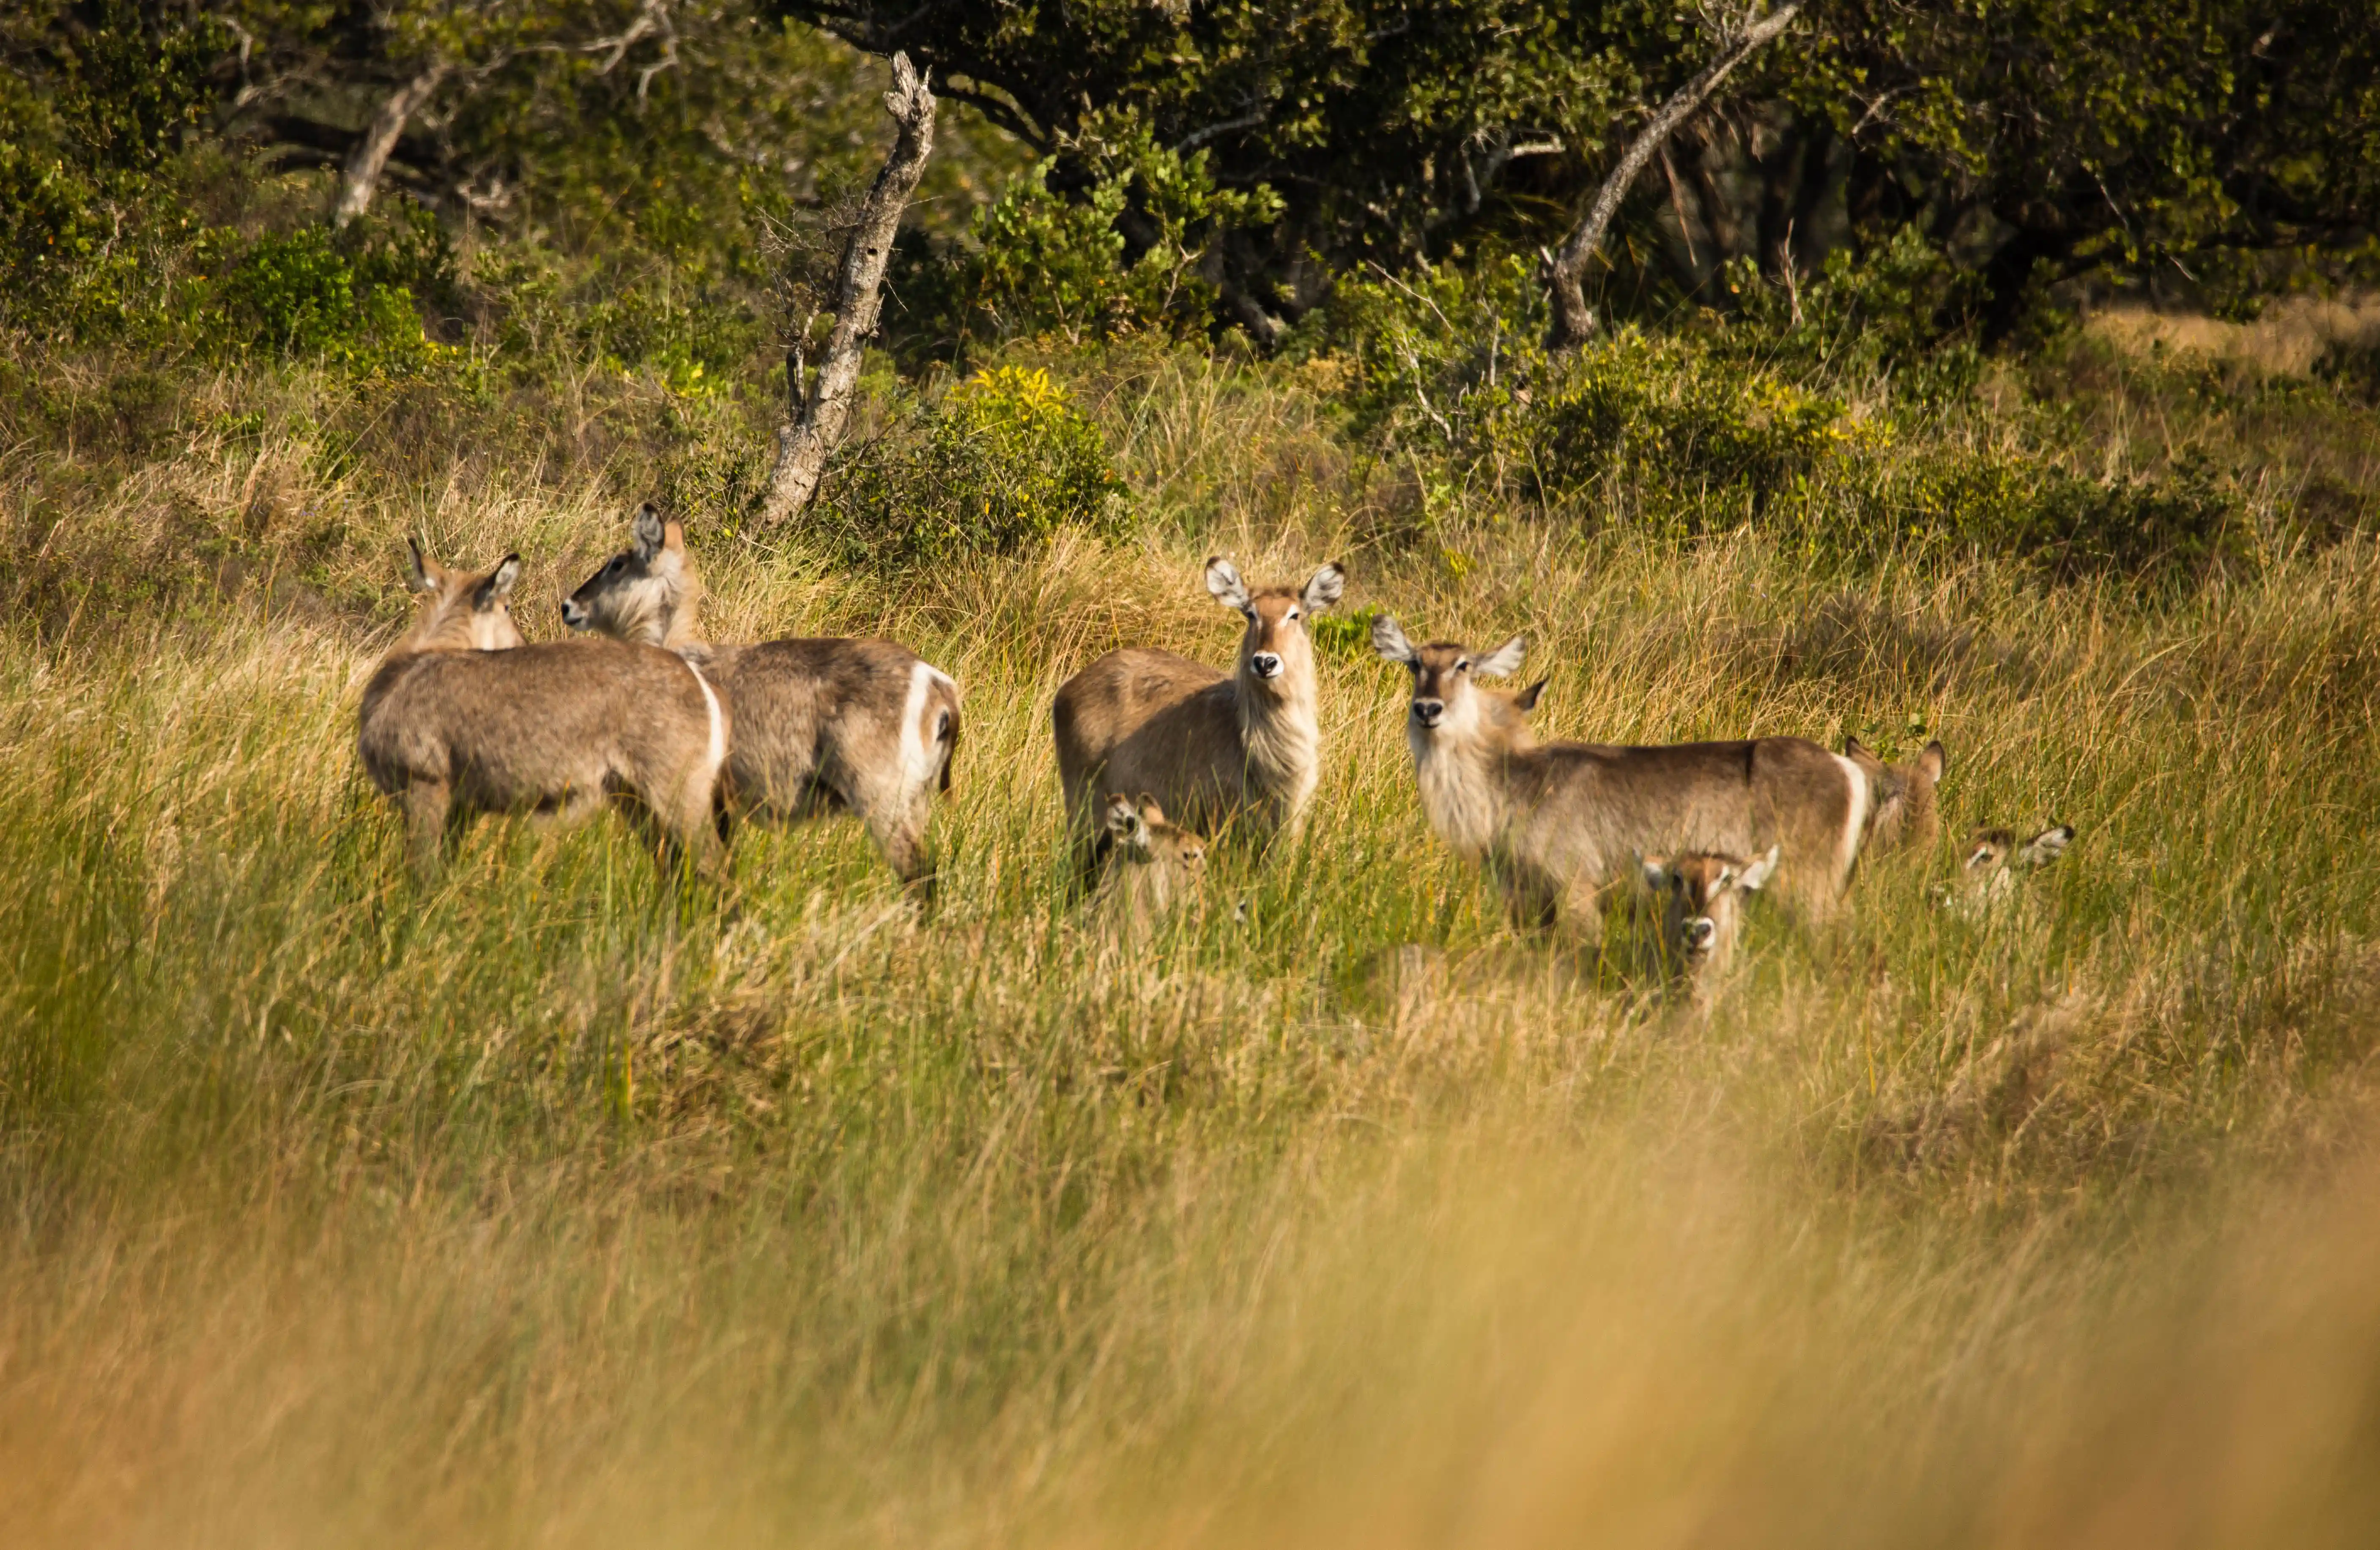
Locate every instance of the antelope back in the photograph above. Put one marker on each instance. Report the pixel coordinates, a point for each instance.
(647, 592)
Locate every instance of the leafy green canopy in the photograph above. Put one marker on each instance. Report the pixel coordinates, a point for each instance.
(2178, 140)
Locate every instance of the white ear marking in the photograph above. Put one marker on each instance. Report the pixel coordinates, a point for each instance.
(1388, 641)
(1755, 877)
(1504, 659)
(1223, 581)
(1325, 588)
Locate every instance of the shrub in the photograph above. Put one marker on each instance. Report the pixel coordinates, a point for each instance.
(1039, 260)
(1000, 465)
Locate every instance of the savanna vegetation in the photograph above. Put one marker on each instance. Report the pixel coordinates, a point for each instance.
(1995, 374)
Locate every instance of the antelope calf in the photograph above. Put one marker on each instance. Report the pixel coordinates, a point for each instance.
(1993, 862)
(461, 718)
(1558, 824)
(818, 725)
(1903, 817)
(1700, 896)
(1162, 864)
(1211, 747)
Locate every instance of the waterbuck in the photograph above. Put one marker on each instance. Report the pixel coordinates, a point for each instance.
(461, 718)
(1904, 816)
(1993, 860)
(1212, 748)
(1160, 866)
(1557, 824)
(1700, 897)
(818, 725)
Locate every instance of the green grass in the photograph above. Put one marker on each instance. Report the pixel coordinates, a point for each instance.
(542, 1205)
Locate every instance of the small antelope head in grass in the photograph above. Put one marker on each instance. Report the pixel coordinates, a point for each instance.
(1160, 866)
(1701, 898)
(1993, 862)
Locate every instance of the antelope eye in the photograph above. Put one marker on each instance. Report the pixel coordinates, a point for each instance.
(617, 561)
(1462, 666)
(1293, 614)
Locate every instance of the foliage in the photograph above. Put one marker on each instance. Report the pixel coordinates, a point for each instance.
(998, 466)
(1127, 254)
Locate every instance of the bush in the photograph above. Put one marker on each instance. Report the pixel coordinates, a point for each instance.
(1038, 260)
(998, 466)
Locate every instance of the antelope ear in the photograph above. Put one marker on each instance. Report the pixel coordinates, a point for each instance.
(673, 536)
(1527, 699)
(420, 575)
(1388, 641)
(1504, 659)
(1855, 749)
(499, 584)
(1326, 587)
(2045, 846)
(1755, 877)
(1150, 812)
(1933, 762)
(1655, 870)
(1223, 580)
(646, 533)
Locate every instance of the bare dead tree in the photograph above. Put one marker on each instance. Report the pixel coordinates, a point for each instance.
(360, 176)
(805, 442)
(1574, 321)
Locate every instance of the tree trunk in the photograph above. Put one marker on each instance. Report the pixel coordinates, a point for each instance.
(361, 177)
(1574, 319)
(805, 442)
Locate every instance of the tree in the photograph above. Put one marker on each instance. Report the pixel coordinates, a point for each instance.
(805, 442)
(1738, 38)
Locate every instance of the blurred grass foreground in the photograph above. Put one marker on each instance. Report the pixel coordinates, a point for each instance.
(549, 1204)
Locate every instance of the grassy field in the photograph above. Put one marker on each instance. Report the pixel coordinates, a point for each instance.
(545, 1205)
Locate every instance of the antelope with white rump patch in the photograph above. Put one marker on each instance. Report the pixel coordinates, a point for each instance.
(1700, 897)
(1904, 816)
(1558, 824)
(461, 718)
(1212, 748)
(820, 724)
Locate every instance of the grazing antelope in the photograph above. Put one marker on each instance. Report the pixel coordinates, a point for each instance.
(1163, 865)
(1993, 861)
(1701, 898)
(1559, 823)
(819, 724)
(1903, 817)
(1213, 748)
(461, 718)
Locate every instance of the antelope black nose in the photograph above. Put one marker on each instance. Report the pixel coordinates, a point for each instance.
(1267, 665)
(1427, 711)
(1700, 933)
(572, 614)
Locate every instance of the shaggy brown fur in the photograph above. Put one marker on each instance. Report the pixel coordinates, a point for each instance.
(821, 724)
(463, 718)
(1212, 748)
(1557, 824)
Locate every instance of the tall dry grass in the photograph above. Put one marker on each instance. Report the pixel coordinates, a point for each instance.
(544, 1205)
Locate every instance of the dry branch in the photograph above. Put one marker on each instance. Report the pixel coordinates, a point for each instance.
(805, 442)
(360, 176)
(1574, 319)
